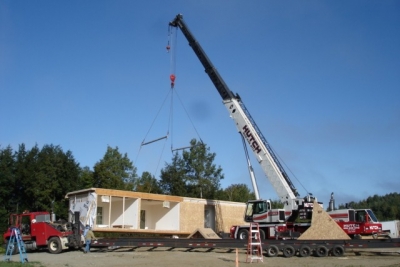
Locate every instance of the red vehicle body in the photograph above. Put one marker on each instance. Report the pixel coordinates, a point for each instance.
(37, 232)
(357, 222)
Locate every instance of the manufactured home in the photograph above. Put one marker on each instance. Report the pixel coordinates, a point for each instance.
(109, 210)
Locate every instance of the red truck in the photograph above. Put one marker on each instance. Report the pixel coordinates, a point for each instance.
(38, 231)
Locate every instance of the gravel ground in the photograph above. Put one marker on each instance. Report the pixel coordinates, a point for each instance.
(199, 258)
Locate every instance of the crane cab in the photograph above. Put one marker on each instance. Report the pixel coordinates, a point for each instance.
(261, 211)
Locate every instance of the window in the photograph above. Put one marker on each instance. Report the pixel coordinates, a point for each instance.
(142, 219)
(99, 215)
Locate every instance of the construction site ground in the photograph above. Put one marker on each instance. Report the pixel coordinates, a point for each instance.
(202, 258)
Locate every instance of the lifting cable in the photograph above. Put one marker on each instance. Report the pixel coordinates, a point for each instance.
(287, 168)
(171, 47)
(144, 142)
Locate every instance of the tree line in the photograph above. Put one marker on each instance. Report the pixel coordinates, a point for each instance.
(38, 179)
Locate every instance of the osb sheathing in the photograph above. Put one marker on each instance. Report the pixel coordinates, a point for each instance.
(227, 215)
(323, 227)
(191, 216)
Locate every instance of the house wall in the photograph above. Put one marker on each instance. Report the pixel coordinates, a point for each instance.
(131, 212)
(228, 214)
(160, 218)
(168, 218)
(183, 214)
(116, 211)
(192, 216)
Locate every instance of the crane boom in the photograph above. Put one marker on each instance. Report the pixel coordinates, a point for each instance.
(245, 124)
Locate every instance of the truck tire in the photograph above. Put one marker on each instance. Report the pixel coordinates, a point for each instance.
(272, 251)
(305, 251)
(321, 251)
(262, 235)
(54, 245)
(288, 251)
(337, 251)
(243, 234)
(14, 248)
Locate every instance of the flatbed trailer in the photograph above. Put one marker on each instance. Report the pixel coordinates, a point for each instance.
(272, 248)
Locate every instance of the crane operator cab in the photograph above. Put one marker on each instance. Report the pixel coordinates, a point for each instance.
(261, 211)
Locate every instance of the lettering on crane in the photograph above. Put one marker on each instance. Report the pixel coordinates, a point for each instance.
(250, 138)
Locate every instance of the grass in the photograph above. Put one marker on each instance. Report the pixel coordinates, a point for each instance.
(20, 264)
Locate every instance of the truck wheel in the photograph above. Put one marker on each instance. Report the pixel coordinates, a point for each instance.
(272, 251)
(54, 245)
(243, 234)
(321, 251)
(262, 235)
(337, 251)
(288, 251)
(304, 251)
(13, 247)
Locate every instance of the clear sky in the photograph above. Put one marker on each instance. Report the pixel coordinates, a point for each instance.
(320, 78)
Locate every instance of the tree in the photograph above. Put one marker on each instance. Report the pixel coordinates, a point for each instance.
(85, 178)
(239, 193)
(114, 171)
(192, 174)
(7, 185)
(172, 177)
(148, 183)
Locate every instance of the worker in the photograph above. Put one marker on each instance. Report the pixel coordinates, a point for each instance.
(86, 230)
(89, 236)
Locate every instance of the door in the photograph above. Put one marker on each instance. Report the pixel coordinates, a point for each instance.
(209, 217)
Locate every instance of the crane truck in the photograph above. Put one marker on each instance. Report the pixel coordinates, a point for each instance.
(295, 217)
(39, 231)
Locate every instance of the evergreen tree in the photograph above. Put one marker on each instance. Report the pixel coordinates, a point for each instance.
(239, 193)
(148, 183)
(192, 174)
(114, 171)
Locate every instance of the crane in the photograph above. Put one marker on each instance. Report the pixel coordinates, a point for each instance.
(295, 217)
(249, 130)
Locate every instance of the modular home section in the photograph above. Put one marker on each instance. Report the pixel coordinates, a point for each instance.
(108, 210)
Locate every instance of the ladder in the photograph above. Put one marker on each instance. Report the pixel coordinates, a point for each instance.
(254, 246)
(15, 237)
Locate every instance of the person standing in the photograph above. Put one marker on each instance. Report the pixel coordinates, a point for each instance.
(89, 236)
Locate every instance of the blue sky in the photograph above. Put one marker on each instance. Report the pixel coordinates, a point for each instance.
(320, 78)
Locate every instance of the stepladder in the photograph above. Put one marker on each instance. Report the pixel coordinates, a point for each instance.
(16, 245)
(254, 244)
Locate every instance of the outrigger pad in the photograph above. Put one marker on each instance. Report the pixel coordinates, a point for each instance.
(206, 233)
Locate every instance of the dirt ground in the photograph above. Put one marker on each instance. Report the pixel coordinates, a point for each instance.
(200, 258)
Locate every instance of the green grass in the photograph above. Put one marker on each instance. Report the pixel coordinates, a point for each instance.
(19, 264)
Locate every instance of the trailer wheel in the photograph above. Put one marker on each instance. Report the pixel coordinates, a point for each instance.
(321, 251)
(243, 234)
(272, 251)
(304, 251)
(288, 251)
(337, 251)
(54, 245)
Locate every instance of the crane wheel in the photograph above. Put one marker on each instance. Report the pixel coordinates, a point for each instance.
(243, 234)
